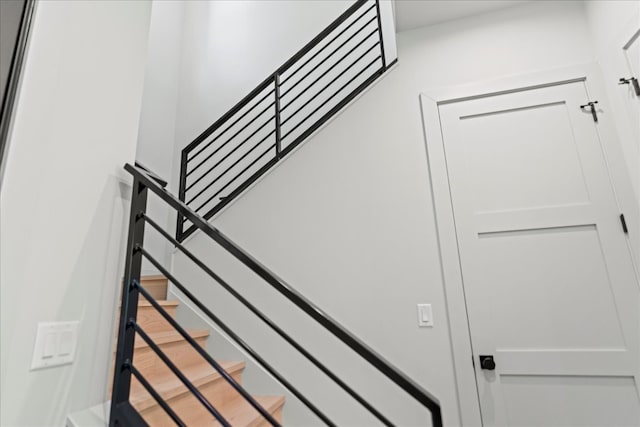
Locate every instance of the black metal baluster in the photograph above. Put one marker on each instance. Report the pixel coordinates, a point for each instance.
(384, 61)
(235, 122)
(333, 52)
(276, 79)
(182, 192)
(217, 150)
(176, 371)
(129, 307)
(156, 396)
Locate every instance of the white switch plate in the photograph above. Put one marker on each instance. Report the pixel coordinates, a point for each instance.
(425, 316)
(55, 344)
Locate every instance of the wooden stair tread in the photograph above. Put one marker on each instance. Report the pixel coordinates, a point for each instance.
(165, 337)
(153, 277)
(162, 303)
(239, 412)
(170, 386)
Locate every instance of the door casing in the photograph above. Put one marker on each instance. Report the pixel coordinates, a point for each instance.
(430, 101)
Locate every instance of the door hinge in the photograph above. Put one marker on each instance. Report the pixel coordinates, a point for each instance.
(591, 105)
(624, 224)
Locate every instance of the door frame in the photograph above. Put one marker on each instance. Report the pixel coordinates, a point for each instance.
(629, 34)
(430, 101)
(625, 37)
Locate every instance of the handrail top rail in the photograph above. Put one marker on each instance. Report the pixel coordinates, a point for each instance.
(337, 330)
(320, 37)
(151, 174)
(284, 67)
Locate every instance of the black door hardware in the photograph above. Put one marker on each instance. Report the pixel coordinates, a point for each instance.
(631, 81)
(624, 224)
(487, 362)
(592, 108)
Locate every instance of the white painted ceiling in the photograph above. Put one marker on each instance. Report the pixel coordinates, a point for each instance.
(421, 13)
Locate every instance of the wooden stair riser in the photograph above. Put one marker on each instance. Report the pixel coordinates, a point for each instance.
(181, 353)
(188, 408)
(152, 321)
(156, 285)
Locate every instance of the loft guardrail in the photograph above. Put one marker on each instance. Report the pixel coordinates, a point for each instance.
(123, 413)
(279, 114)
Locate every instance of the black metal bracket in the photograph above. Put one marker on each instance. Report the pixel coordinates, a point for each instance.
(623, 222)
(592, 109)
(631, 81)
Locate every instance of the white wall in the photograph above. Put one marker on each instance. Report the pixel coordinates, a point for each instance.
(156, 134)
(348, 219)
(62, 207)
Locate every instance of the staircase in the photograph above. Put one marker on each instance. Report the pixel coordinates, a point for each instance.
(148, 349)
(163, 374)
(209, 382)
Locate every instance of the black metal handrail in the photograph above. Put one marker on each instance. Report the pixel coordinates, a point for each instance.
(142, 182)
(282, 111)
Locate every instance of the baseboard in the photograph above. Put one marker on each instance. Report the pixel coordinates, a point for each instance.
(96, 416)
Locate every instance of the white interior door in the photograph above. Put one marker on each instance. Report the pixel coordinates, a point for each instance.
(547, 273)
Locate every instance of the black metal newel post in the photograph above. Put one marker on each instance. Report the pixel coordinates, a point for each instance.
(129, 307)
(276, 80)
(182, 191)
(436, 417)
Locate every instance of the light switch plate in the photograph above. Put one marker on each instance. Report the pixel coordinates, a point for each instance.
(425, 316)
(55, 344)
